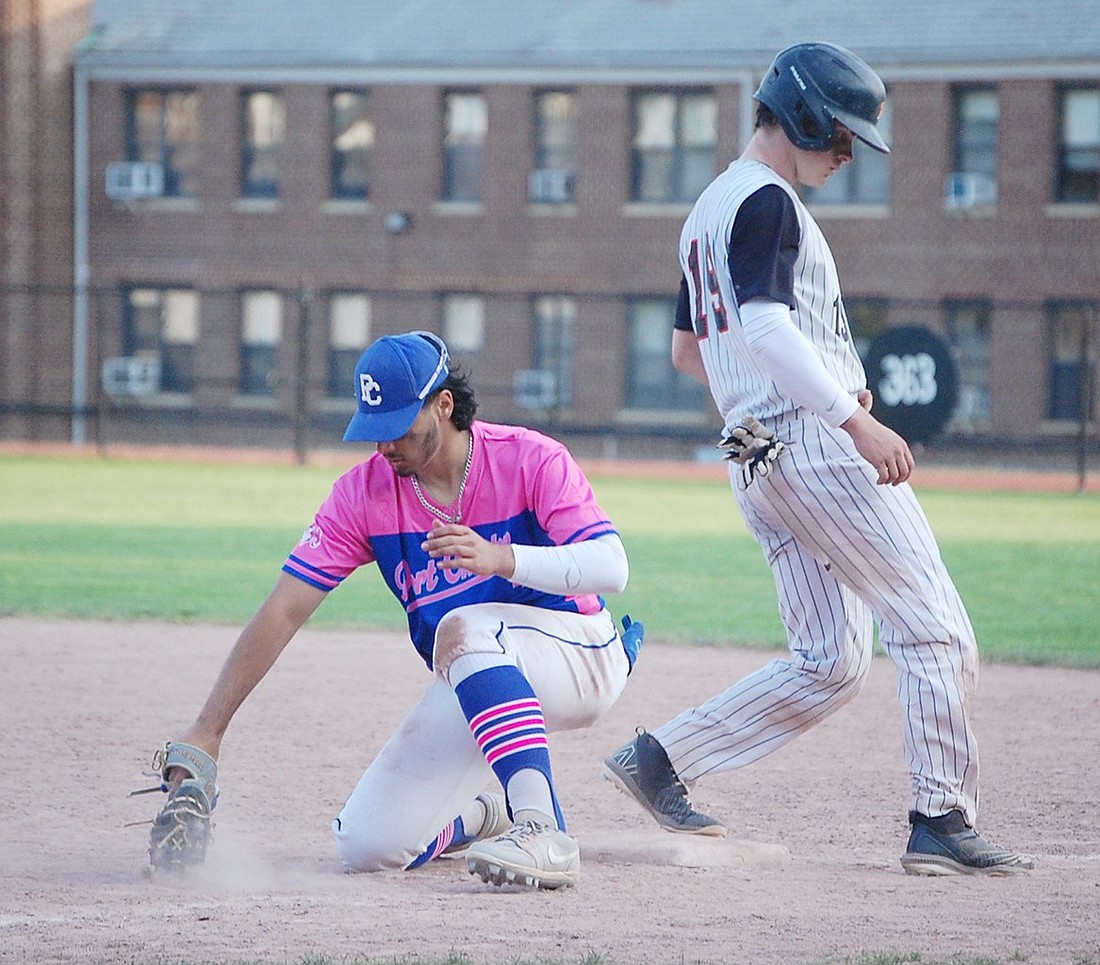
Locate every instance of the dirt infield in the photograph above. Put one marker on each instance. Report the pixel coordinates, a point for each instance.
(811, 873)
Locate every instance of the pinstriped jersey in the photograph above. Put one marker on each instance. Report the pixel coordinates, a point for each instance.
(738, 384)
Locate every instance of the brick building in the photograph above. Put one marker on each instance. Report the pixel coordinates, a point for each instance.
(261, 190)
(37, 39)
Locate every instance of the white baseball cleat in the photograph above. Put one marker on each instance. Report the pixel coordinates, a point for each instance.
(532, 854)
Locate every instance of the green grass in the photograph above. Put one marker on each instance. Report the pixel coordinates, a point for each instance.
(1026, 565)
(131, 539)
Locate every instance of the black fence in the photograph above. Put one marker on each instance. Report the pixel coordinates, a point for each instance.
(168, 365)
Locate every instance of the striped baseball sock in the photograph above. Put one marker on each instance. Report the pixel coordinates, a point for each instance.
(453, 833)
(506, 720)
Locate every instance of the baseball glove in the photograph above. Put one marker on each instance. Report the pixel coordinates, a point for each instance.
(633, 636)
(753, 447)
(181, 831)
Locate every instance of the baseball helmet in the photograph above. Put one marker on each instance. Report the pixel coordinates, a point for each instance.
(808, 86)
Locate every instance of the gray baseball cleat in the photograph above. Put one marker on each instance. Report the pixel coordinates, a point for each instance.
(947, 845)
(642, 769)
(533, 854)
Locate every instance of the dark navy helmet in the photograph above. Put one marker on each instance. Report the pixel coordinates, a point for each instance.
(808, 86)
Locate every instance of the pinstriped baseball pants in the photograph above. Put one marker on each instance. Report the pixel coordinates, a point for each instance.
(846, 553)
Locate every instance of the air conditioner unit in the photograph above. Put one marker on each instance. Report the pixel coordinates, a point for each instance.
(549, 186)
(132, 375)
(535, 388)
(969, 189)
(131, 180)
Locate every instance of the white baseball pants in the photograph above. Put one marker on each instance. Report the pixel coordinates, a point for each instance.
(431, 768)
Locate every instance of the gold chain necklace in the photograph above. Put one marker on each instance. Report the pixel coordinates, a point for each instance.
(435, 510)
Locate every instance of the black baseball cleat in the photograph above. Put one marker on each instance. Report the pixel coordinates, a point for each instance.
(642, 769)
(947, 845)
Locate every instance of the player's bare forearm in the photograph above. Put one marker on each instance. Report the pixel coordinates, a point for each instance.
(686, 356)
(883, 448)
(460, 544)
(261, 641)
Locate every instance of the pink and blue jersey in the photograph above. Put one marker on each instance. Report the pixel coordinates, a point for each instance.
(523, 488)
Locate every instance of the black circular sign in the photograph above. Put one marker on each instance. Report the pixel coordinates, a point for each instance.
(914, 380)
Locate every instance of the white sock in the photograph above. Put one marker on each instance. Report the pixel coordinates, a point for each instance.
(470, 663)
(528, 790)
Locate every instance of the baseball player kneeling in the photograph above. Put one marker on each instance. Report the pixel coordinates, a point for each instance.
(491, 539)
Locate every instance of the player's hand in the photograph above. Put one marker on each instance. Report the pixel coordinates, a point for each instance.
(464, 548)
(865, 399)
(883, 448)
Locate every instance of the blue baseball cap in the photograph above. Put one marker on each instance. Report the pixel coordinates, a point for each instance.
(392, 379)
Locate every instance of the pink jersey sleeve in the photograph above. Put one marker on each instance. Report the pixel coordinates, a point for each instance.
(564, 502)
(337, 541)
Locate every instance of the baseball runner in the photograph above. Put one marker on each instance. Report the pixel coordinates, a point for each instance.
(491, 539)
(820, 482)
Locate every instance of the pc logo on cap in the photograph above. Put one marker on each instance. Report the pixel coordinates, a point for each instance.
(392, 379)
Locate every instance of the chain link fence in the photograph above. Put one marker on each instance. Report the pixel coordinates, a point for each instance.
(272, 368)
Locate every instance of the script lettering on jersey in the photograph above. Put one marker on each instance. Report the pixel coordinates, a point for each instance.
(713, 300)
(435, 575)
(312, 536)
(428, 579)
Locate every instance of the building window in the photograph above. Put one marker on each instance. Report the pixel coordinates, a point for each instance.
(555, 318)
(977, 118)
(651, 380)
(675, 134)
(352, 143)
(968, 326)
(163, 323)
(867, 319)
(973, 178)
(463, 327)
(554, 175)
(348, 335)
(163, 128)
(863, 180)
(261, 333)
(1072, 329)
(1079, 146)
(465, 123)
(263, 123)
